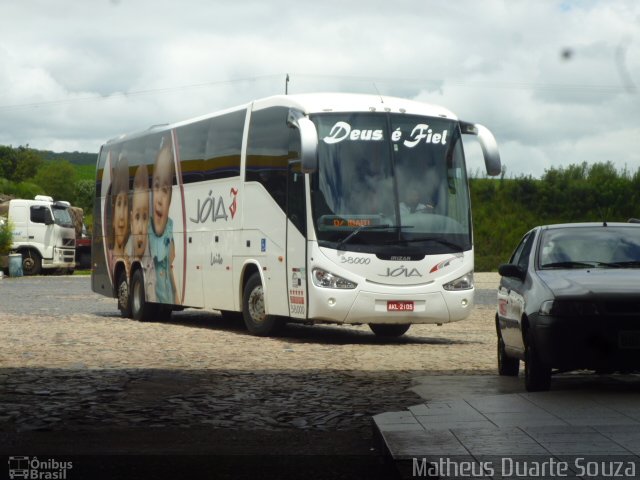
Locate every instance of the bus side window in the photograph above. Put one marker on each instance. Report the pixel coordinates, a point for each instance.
(296, 206)
(268, 152)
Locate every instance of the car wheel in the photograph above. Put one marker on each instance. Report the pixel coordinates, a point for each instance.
(507, 366)
(122, 292)
(537, 375)
(255, 318)
(389, 331)
(31, 263)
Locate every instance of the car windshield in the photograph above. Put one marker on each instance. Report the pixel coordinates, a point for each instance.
(386, 179)
(590, 247)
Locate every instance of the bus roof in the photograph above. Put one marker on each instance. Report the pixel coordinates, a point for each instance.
(311, 103)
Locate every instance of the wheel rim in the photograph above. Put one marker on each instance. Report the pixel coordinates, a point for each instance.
(28, 264)
(256, 305)
(123, 295)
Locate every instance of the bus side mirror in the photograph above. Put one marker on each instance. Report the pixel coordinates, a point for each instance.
(308, 140)
(488, 145)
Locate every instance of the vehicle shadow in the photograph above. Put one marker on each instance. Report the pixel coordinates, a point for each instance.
(585, 382)
(301, 333)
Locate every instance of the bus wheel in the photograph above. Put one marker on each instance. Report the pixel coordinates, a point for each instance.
(122, 290)
(389, 330)
(255, 318)
(31, 263)
(140, 309)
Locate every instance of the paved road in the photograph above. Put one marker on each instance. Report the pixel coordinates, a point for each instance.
(77, 378)
(71, 294)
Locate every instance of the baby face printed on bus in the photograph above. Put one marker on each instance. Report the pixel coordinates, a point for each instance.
(120, 205)
(162, 183)
(140, 211)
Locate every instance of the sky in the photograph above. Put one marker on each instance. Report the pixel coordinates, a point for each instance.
(556, 81)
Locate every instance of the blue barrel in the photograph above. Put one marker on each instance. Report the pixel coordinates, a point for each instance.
(15, 265)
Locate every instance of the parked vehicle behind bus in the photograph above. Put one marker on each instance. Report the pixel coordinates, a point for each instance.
(43, 233)
(292, 208)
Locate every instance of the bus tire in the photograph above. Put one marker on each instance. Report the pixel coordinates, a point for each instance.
(142, 310)
(31, 262)
(123, 295)
(255, 318)
(389, 331)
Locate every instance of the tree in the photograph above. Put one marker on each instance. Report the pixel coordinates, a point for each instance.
(57, 179)
(8, 162)
(28, 161)
(84, 194)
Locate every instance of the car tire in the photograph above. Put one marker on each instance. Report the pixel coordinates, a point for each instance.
(258, 323)
(537, 375)
(389, 331)
(507, 366)
(123, 295)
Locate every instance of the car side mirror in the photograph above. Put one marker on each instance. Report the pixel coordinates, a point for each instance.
(511, 270)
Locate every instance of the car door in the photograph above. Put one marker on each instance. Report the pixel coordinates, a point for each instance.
(512, 293)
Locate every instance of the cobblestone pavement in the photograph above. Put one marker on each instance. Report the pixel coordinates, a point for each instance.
(69, 361)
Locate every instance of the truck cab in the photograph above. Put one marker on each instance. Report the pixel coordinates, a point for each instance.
(43, 233)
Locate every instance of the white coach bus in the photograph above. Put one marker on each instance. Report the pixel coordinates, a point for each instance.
(317, 208)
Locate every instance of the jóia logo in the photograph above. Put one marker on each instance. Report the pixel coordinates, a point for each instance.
(401, 271)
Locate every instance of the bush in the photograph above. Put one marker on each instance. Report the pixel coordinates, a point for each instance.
(6, 236)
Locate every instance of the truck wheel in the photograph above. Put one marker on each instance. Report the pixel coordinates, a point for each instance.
(84, 260)
(389, 331)
(537, 375)
(257, 321)
(31, 263)
(141, 309)
(507, 366)
(122, 292)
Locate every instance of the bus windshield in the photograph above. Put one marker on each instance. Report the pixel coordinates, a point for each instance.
(390, 181)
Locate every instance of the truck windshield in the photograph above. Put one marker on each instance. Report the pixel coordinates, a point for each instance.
(62, 217)
(402, 177)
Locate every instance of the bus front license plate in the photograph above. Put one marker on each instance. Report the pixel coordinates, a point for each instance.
(398, 306)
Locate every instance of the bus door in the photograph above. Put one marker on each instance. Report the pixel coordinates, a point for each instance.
(296, 253)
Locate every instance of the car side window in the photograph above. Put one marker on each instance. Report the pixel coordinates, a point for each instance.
(522, 260)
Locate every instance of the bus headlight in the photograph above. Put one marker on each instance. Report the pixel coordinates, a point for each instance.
(322, 278)
(465, 282)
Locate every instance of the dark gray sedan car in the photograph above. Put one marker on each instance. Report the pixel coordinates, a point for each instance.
(569, 299)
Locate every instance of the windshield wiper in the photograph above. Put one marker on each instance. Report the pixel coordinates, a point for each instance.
(569, 264)
(369, 227)
(626, 264)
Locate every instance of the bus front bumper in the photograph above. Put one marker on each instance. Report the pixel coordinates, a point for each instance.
(348, 306)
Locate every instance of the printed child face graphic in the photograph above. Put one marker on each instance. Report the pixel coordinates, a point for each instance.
(139, 221)
(162, 181)
(121, 218)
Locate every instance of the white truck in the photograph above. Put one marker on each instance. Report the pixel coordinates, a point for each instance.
(43, 233)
